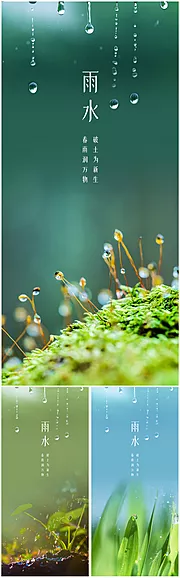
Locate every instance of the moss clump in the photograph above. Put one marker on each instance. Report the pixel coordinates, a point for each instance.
(132, 341)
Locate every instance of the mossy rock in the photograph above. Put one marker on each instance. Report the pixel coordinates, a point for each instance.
(131, 341)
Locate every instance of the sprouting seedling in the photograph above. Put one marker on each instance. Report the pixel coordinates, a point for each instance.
(160, 242)
(28, 321)
(37, 319)
(59, 276)
(118, 237)
(82, 284)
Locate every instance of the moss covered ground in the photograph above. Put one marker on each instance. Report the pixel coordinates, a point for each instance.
(131, 341)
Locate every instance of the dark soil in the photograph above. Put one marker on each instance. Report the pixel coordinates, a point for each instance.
(68, 565)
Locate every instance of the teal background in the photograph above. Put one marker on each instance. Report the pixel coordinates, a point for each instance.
(50, 219)
(21, 454)
(111, 452)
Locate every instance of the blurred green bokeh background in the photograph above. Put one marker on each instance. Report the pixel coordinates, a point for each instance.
(51, 220)
(21, 453)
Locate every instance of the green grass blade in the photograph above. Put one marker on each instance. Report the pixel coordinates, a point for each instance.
(173, 543)
(154, 569)
(176, 566)
(145, 544)
(165, 567)
(105, 544)
(128, 550)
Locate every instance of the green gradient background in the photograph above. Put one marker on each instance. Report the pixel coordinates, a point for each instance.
(50, 219)
(21, 453)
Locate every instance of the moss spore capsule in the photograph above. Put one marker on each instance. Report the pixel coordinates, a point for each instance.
(118, 235)
(23, 298)
(159, 239)
(36, 291)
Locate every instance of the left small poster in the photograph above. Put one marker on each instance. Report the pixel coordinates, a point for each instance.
(45, 481)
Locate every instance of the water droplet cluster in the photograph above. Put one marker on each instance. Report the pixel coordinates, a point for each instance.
(114, 103)
(147, 415)
(17, 411)
(67, 413)
(106, 411)
(157, 411)
(134, 97)
(57, 415)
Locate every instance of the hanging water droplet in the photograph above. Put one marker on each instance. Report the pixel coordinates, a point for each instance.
(123, 271)
(106, 429)
(89, 28)
(135, 34)
(17, 429)
(146, 438)
(104, 296)
(134, 400)
(113, 85)
(44, 399)
(30, 390)
(171, 388)
(134, 98)
(66, 435)
(135, 59)
(33, 63)
(33, 87)
(143, 272)
(56, 438)
(37, 318)
(33, 40)
(115, 37)
(114, 71)
(176, 272)
(156, 435)
(134, 74)
(60, 8)
(164, 5)
(120, 390)
(114, 103)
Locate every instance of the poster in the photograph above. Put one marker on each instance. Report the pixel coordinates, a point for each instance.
(90, 280)
(90, 173)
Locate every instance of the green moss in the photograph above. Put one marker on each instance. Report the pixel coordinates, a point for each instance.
(132, 341)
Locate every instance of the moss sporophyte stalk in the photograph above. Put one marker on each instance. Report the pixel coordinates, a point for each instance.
(131, 340)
